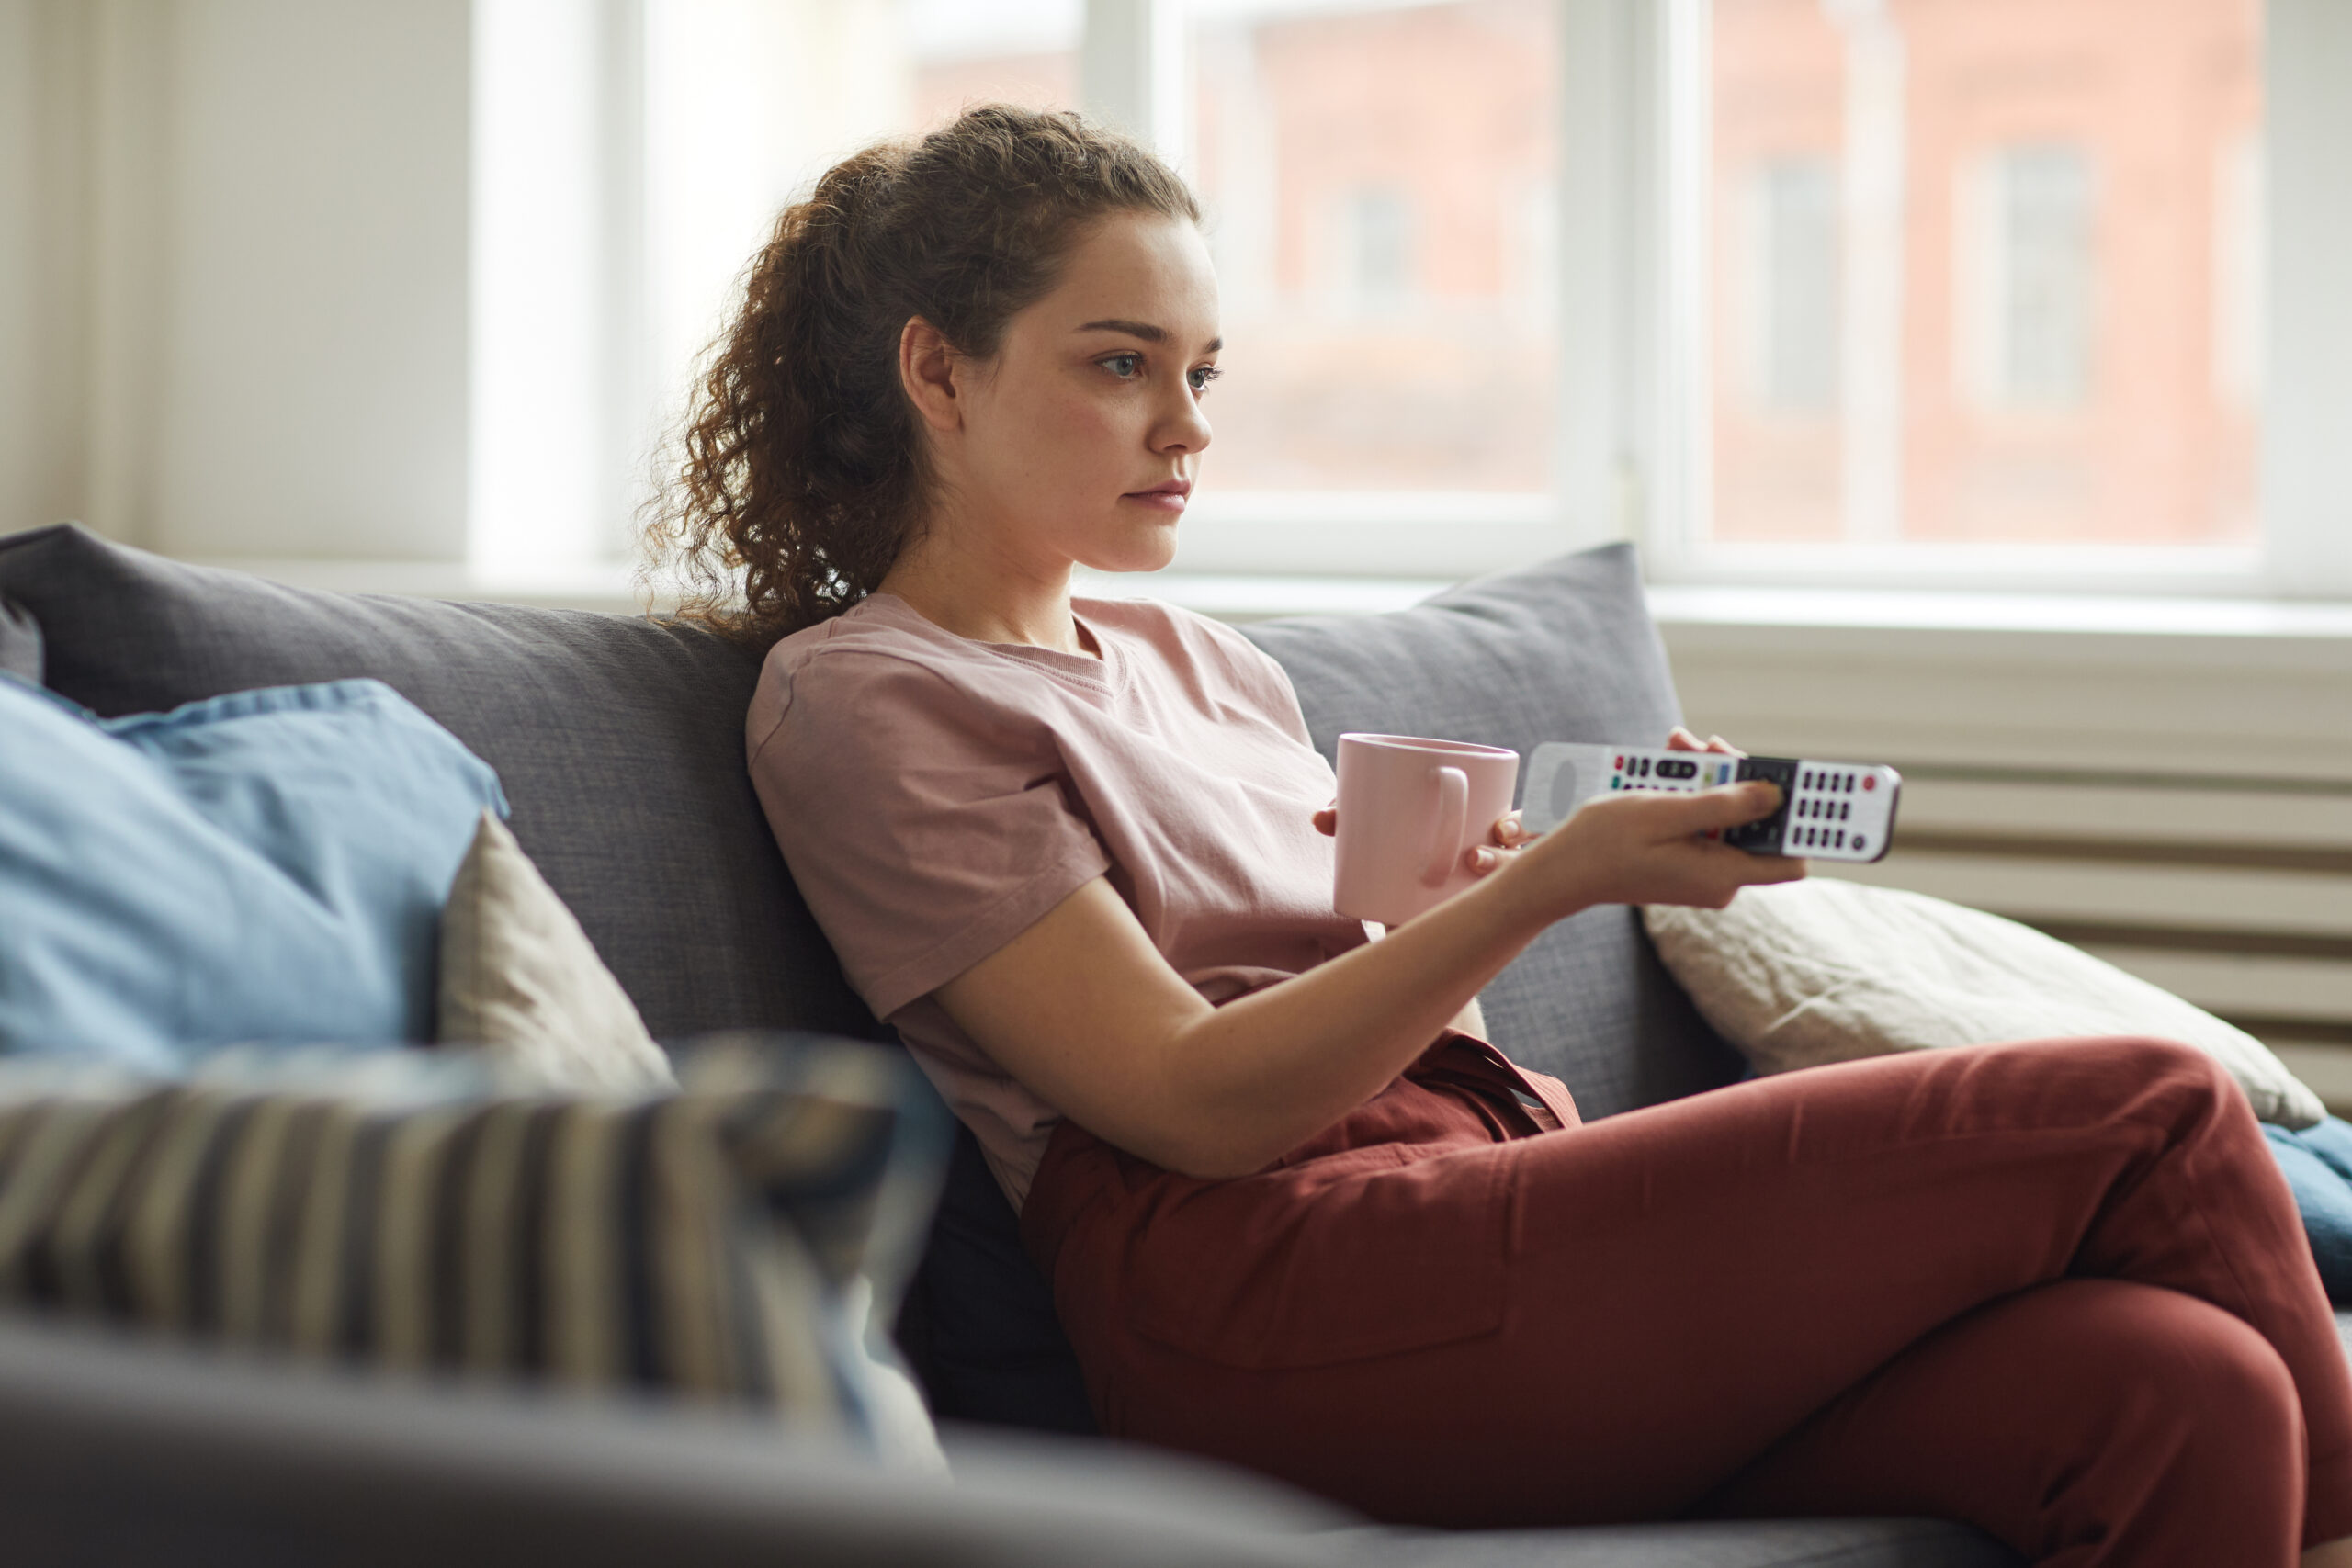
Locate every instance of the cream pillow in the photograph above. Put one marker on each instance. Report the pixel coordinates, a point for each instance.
(520, 980)
(1803, 973)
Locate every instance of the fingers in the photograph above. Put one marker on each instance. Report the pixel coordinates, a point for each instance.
(1731, 805)
(1510, 831)
(1327, 821)
(1683, 740)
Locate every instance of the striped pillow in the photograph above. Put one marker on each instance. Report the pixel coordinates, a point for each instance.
(734, 1241)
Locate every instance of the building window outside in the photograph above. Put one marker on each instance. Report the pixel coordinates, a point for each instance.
(1377, 248)
(1789, 305)
(2026, 277)
(2048, 300)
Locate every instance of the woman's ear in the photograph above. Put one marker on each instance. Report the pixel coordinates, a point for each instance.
(927, 372)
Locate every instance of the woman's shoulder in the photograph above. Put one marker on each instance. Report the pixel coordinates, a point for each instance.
(863, 665)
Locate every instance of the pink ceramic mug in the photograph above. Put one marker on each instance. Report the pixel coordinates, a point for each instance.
(1409, 808)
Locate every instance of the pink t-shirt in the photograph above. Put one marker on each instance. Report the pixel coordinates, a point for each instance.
(934, 796)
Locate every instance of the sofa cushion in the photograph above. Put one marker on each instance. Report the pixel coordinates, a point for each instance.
(409, 1210)
(619, 742)
(1560, 650)
(521, 980)
(1826, 970)
(1744, 1543)
(266, 865)
(2317, 1163)
(19, 644)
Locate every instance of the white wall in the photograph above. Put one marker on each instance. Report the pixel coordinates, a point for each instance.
(233, 274)
(42, 378)
(20, 481)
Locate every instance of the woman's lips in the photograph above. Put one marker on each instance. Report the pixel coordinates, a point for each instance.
(1170, 497)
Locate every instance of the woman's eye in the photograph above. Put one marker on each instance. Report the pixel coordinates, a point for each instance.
(1202, 375)
(1124, 365)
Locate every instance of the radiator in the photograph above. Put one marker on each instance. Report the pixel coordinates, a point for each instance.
(2181, 807)
(2233, 891)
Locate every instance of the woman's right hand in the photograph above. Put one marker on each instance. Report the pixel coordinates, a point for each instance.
(1647, 848)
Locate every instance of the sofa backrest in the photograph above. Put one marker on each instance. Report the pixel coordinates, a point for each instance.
(1563, 650)
(619, 742)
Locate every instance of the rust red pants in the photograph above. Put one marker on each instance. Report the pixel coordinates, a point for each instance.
(2056, 1290)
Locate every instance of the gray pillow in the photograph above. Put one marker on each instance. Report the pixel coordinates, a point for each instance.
(1561, 650)
(619, 742)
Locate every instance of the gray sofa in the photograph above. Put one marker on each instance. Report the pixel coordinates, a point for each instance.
(620, 744)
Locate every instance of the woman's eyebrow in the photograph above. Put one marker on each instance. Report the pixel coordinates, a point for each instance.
(1143, 330)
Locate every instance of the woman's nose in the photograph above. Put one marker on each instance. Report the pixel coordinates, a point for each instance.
(1186, 427)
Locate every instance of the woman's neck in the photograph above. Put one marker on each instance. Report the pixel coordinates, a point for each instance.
(987, 598)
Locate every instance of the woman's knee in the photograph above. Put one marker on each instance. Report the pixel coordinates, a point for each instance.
(2172, 1374)
(2082, 1409)
(2116, 1072)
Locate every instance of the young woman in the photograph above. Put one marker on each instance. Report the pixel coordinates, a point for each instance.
(1295, 1212)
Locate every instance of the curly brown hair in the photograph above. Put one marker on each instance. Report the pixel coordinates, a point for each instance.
(799, 471)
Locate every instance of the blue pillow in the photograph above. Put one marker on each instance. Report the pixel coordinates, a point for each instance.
(2318, 1164)
(268, 865)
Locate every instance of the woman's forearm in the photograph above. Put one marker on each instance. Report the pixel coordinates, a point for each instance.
(1263, 1074)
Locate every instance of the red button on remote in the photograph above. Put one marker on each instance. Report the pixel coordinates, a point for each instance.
(1869, 781)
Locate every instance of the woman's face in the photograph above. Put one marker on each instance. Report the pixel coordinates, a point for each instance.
(1080, 440)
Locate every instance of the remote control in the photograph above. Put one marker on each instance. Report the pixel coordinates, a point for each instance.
(1828, 810)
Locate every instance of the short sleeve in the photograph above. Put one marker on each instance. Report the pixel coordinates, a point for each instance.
(925, 825)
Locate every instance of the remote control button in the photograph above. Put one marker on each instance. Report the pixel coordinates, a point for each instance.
(1869, 782)
(1621, 764)
(1860, 843)
(1841, 840)
(1845, 809)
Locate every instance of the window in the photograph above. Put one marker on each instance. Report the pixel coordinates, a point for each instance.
(1789, 305)
(2026, 279)
(2027, 238)
(1379, 180)
(1904, 292)
(1376, 248)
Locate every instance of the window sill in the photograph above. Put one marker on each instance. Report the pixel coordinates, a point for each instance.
(1935, 624)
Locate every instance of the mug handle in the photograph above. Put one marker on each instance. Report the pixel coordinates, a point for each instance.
(1453, 810)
